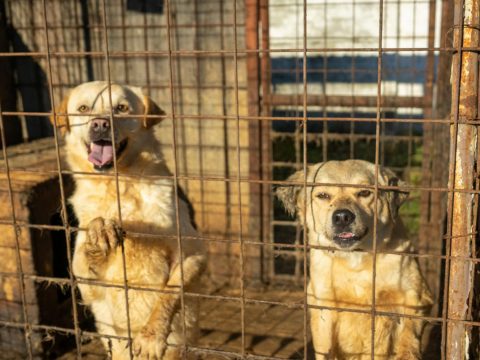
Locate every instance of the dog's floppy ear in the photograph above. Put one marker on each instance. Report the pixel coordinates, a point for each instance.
(151, 108)
(62, 120)
(395, 197)
(288, 194)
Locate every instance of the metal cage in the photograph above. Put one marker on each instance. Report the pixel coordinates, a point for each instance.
(253, 90)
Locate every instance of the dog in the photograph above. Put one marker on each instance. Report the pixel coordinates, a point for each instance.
(339, 221)
(146, 238)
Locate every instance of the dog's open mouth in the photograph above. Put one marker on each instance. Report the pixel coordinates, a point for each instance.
(347, 239)
(100, 153)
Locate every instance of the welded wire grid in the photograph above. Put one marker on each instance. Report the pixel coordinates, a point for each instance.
(308, 117)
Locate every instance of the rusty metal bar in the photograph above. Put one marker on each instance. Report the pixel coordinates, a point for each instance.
(305, 244)
(256, 211)
(246, 242)
(224, 240)
(169, 14)
(241, 241)
(345, 137)
(434, 172)
(106, 55)
(296, 305)
(216, 53)
(266, 151)
(379, 104)
(463, 155)
(426, 229)
(253, 63)
(125, 26)
(266, 118)
(425, 234)
(337, 100)
(247, 180)
(428, 142)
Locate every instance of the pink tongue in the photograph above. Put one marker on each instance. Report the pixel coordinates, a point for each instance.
(101, 153)
(346, 235)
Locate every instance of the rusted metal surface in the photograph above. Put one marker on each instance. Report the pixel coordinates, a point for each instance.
(428, 141)
(463, 157)
(218, 53)
(265, 137)
(240, 236)
(257, 209)
(253, 62)
(435, 153)
(270, 118)
(252, 18)
(440, 153)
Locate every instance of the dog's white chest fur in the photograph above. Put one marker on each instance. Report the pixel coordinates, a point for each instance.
(140, 202)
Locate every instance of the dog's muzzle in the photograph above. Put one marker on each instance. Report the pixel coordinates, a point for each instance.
(101, 149)
(342, 221)
(99, 129)
(346, 239)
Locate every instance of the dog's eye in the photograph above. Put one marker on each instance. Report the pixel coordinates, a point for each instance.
(83, 108)
(122, 108)
(364, 193)
(323, 195)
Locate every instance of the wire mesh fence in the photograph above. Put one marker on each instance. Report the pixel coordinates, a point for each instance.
(253, 91)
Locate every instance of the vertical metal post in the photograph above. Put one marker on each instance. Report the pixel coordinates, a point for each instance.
(430, 233)
(428, 141)
(266, 141)
(239, 185)
(253, 64)
(171, 86)
(463, 156)
(252, 17)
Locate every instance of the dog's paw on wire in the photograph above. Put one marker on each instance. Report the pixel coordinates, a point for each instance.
(103, 235)
(148, 345)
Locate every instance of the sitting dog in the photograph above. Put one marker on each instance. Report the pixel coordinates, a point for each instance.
(148, 217)
(340, 224)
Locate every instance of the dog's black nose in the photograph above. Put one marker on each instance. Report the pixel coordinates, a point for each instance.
(100, 124)
(99, 129)
(343, 217)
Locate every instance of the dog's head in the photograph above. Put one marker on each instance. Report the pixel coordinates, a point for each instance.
(343, 216)
(88, 125)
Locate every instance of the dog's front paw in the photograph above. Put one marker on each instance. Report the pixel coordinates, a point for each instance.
(148, 345)
(102, 237)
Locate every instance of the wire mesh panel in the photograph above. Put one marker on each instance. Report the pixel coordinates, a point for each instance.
(247, 94)
(185, 61)
(342, 87)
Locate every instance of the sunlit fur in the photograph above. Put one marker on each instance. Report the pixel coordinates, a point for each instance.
(147, 206)
(342, 278)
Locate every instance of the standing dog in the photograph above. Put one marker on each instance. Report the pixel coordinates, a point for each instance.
(341, 218)
(147, 206)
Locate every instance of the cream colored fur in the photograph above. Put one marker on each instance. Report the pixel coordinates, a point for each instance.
(147, 206)
(343, 278)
